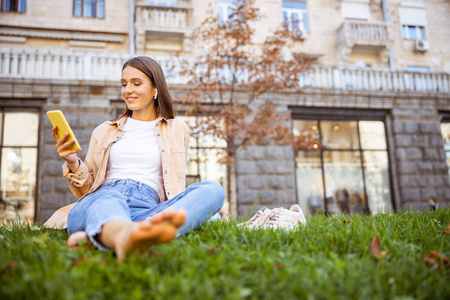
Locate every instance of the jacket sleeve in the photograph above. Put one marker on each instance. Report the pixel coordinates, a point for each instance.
(81, 180)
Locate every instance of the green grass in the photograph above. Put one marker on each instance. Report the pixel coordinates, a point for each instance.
(327, 259)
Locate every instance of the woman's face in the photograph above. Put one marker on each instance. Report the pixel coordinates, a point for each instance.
(138, 93)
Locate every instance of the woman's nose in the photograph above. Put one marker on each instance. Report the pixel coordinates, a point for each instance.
(128, 89)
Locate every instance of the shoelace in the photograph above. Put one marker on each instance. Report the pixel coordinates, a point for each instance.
(266, 216)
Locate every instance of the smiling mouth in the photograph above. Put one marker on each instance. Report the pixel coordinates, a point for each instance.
(131, 100)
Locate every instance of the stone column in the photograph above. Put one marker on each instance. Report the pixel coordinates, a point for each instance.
(267, 170)
(420, 156)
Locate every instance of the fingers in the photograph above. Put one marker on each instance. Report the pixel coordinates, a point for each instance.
(55, 132)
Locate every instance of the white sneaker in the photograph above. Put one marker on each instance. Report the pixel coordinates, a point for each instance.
(277, 218)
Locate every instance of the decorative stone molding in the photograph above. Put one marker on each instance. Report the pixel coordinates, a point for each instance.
(84, 65)
(63, 35)
(87, 44)
(12, 39)
(374, 4)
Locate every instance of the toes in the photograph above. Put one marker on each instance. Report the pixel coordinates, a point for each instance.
(75, 238)
(179, 219)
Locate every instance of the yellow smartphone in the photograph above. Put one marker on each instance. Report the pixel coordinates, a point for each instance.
(57, 119)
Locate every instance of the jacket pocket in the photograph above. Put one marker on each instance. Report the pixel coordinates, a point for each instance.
(179, 159)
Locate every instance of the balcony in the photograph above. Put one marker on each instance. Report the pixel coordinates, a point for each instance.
(67, 65)
(176, 18)
(364, 37)
(163, 25)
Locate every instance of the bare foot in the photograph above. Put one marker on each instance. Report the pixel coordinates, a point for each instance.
(78, 238)
(162, 228)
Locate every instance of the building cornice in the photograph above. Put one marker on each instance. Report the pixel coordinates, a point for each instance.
(63, 34)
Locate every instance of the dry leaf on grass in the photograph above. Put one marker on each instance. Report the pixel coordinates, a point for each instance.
(8, 267)
(375, 249)
(434, 258)
(447, 230)
(279, 265)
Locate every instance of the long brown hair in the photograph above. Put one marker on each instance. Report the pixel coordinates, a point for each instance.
(148, 66)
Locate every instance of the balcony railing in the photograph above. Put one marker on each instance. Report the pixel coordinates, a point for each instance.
(67, 65)
(376, 33)
(160, 17)
(39, 64)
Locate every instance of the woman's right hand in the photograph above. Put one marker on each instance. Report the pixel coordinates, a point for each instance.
(61, 147)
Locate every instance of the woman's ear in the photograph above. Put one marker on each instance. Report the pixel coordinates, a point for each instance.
(156, 94)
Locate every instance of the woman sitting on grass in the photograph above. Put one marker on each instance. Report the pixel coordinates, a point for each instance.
(135, 171)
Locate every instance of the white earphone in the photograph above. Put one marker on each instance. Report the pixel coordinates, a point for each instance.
(156, 94)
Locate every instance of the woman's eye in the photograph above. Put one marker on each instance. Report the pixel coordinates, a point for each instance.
(137, 84)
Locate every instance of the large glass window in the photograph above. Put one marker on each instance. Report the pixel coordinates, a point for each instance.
(13, 5)
(295, 16)
(346, 170)
(204, 157)
(89, 8)
(445, 130)
(18, 144)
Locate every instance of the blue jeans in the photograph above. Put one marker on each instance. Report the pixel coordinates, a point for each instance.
(134, 201)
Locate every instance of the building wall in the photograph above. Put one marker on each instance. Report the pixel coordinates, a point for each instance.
(418, 167)
(438, 21)
(56, 18)
(415, 145)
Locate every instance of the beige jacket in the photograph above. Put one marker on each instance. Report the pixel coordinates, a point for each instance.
(173, 140)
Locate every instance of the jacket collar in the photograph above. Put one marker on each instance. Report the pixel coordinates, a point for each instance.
(120, 122)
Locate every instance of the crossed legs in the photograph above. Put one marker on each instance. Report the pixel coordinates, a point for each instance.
(116, 231)
(124, 236)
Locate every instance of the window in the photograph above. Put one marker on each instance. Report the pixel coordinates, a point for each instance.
(171, 3)
(205, 153)
(445, 130)
(18, 145)
(89, 8)
(346, 170)
(14, 5)
(413, 32)
(413, 21)
(417, 69)
(224, 10)
(295, 15)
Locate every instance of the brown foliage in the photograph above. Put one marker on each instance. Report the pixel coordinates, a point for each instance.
(447, 229)
(435, 258)
(9, 266)
(227, 82)
(375, 249)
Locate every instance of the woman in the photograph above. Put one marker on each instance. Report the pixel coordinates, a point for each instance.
(134, 172)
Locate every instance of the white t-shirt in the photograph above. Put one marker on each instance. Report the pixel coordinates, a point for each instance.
(136, 155)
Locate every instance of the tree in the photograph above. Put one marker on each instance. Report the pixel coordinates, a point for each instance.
(225, 85)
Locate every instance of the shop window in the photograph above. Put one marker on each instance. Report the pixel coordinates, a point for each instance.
(413, 21)
(205, 153)
(348, 172)
(295, 16)
(14, 5)
(19, 148)
(89, 8)
(445, 130)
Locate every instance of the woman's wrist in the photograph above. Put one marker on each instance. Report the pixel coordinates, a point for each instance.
(73, 166)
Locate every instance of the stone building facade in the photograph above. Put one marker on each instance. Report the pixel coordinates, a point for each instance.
(378, 98)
